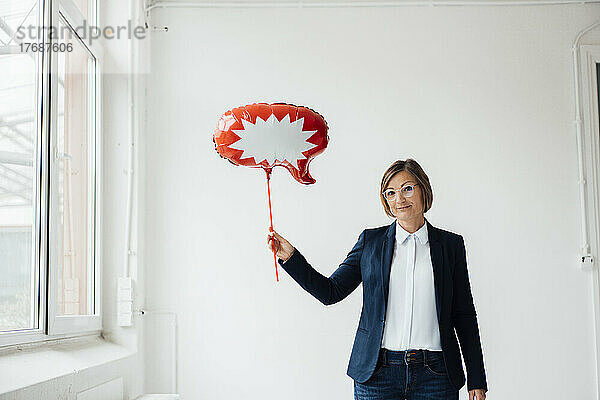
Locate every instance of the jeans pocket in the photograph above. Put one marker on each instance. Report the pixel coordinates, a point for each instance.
(436, 366)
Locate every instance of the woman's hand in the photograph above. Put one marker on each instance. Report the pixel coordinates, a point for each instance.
(476, 394)
(282, 247)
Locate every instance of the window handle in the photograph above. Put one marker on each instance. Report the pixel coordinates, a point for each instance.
(58, 155)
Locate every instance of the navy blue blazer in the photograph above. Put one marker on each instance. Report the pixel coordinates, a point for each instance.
(369, 262)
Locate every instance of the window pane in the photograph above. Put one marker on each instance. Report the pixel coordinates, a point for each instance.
(18, 142)
(75, 147)
(83, 7)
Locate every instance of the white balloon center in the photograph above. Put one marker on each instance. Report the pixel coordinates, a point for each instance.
(273, 140)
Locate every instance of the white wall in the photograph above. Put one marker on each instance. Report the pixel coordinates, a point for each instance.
(482, 97)
(116, 125)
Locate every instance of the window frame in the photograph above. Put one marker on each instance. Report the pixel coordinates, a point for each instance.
(40, 205)
(49, 325)
(68, 14)
(590, 143)
(589, 61)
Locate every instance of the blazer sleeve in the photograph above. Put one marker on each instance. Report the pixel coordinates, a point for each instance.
(330, 290)
(465, 322)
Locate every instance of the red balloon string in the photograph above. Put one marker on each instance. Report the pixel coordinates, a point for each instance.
(268, 171)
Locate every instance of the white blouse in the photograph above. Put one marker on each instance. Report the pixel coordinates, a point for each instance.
(411, 317)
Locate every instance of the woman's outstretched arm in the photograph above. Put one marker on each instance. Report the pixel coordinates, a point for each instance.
(327, 290)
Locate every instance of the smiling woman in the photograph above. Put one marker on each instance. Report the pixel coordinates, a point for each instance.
(406, 331)
(406, 193)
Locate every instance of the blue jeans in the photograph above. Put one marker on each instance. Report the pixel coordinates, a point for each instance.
(407, 375)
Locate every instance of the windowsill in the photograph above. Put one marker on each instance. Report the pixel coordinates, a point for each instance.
(24, 368)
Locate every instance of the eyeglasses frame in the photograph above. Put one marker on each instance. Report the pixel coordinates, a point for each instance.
(396, 192)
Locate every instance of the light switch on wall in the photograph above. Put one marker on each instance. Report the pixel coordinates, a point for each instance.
(125, 302)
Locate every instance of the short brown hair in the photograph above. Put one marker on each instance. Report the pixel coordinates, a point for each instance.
(412, 167)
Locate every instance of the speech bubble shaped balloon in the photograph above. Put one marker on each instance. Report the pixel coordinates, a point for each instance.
(268, 135)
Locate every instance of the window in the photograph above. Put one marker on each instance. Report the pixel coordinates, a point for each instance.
(598, 89)
(588, 143)
(19, 161)
(49, 171)
(589, 152)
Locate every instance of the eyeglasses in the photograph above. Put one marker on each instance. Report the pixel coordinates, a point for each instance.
(406, 191)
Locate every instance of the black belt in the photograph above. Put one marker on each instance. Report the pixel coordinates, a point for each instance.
(411, 356)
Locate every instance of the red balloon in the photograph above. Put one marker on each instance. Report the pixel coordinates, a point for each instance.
(268, 135)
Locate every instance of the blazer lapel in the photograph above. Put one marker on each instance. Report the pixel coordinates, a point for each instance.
(386, 257)
(437, 261)
(435, 250)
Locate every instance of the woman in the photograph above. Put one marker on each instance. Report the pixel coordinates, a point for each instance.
(416, 293)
